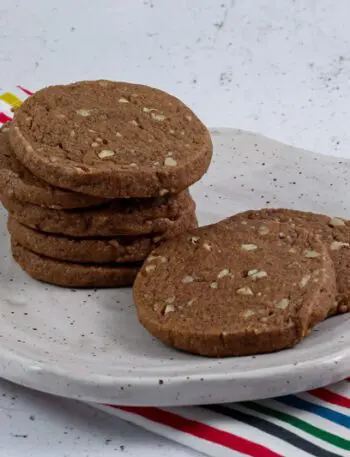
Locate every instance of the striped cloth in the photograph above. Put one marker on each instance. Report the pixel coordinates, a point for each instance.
(315, 423)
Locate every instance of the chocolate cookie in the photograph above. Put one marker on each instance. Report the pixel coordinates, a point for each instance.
(111, 139)
(334, 232)
(119, 217)
(72, 274)
(237, 290)
(20, 183)
(95, 250)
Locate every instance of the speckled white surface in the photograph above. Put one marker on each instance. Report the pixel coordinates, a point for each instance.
(279, 68)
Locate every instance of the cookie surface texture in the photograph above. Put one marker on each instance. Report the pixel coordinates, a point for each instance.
(333, 231)
(120, 217)
(16, 181)
(236, 291)
(111, 139)
(72, 274)
(95, 250)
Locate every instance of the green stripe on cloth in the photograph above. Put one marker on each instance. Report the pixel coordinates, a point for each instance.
(302, 425)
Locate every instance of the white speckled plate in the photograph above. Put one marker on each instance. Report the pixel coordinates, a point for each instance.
(89, 345)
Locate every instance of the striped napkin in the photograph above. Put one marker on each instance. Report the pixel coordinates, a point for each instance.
(315, 423)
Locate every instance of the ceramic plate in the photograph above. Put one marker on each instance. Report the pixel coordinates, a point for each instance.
(88, 344)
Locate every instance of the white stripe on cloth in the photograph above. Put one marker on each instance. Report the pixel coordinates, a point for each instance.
(306, 436)
(318, 401)
(306, 416)
(341, 388)
(240, 429)
(201, 445)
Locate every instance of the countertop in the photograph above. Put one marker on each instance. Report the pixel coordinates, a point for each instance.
(280, 68)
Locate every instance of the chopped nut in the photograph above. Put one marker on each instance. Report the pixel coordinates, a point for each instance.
(263, 230)
(343, 308)
(190, 302)
(312, 254)
(214, 285)
(133, 122)
(133, 164)
(182, 133)
(207, 246)
(169, 153)
(282, 304)
(106, 153)
(249, 247)
(123, 100)
(150, 268)
(94, 144)
(223, 273)
(245, 291)
(119, 135)
(257, 274)
(187, 279)
(72, 133)
(304, 280)
(60, 116)
(282, 235)
(81, 170)
(163, 192)
(170, 162)
(248, 313)
(148, 110)
(169, 309)
(170, 300)
(292, 250)
(336, 245)
(84, 112)
(336, 222)
(171, 131)
(194, 239)
(99, 140)
(157, 117)
(188, 117)
(161, 258)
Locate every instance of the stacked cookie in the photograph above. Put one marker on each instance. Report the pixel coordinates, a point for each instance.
(95, 175)
(256, 282)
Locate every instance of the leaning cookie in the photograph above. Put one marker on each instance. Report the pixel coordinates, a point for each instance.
(333, 231)
(119, 217)
(68, 274)
(238, 290)
(122, 249)
(20, 183)
(111, 139)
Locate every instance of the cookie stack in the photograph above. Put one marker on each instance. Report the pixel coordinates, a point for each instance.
(94, 176)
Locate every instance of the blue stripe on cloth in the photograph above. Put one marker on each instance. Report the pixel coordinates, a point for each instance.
(322, 411)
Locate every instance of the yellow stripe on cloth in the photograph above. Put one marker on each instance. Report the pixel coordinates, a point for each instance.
(11, 99)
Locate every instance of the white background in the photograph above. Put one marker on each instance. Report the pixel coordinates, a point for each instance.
(280, 68)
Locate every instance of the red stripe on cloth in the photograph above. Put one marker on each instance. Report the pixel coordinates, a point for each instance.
(203, 431)
(331, 397)
(4, 118)
(26, 91)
